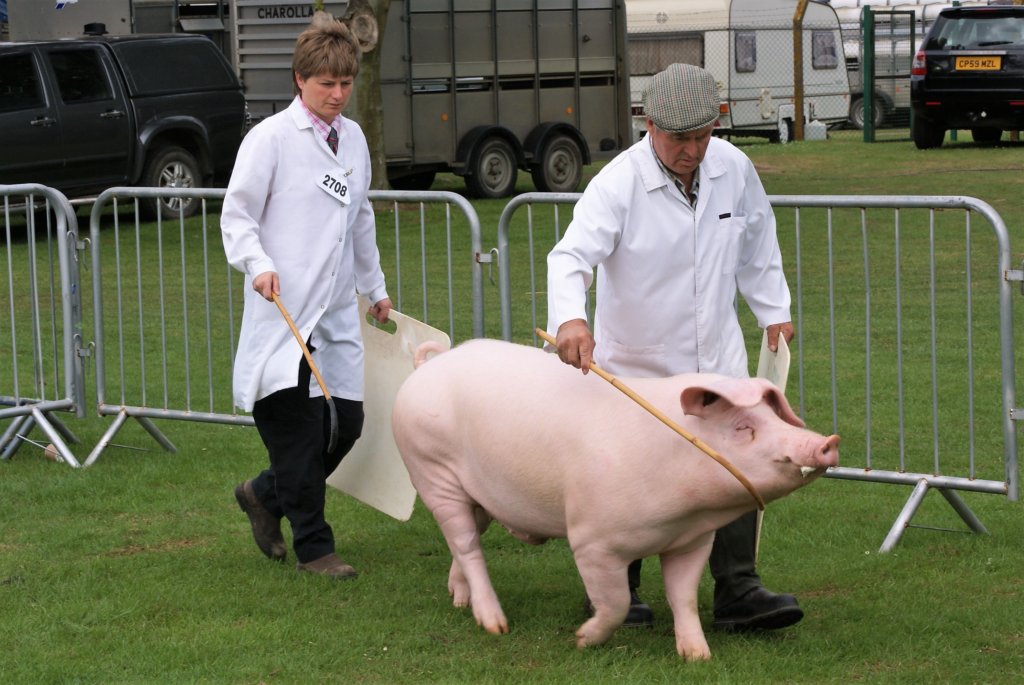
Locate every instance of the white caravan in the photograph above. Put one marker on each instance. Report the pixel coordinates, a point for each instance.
(748, 46)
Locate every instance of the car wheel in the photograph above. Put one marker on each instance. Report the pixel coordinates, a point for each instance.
(171, 167)
(784, 133)
(494, 171)
(986, 135)
(560, 168)
(926, 134)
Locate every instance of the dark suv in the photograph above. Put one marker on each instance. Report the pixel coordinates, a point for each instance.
(969, 73)
(86, 114)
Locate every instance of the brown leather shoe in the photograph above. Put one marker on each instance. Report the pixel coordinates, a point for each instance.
(266, 528)
(329, 565)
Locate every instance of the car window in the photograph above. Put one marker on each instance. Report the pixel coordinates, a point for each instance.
(19, 83)
(80, 75)
(965, 33)
(160, 67)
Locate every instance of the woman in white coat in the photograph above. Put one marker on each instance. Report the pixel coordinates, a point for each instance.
(297, 222)
(677, 225)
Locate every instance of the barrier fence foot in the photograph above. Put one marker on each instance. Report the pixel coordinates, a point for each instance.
(964, 511)
(157, 434)
(903, 520)
(119, 420)
(10, 439)
(912, 505)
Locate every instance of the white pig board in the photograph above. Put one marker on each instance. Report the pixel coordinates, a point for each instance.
(772, 366)
(373, 472)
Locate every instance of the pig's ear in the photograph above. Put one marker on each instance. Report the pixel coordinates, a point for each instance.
(777, 401)
(697, 399)
(739, 392)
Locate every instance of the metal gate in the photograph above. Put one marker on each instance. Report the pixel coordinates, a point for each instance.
(40, 340)
(165, 324)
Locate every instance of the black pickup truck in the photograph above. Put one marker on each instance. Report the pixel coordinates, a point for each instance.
(87, 114)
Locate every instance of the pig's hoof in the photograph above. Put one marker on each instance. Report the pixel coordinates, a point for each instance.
(695, 653)
(495, 626)
(593, 633)
(460, 594)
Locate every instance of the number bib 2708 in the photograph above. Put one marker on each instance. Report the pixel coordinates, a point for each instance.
(334, 182)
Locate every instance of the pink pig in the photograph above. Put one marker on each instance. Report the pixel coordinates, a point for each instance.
(493, 430)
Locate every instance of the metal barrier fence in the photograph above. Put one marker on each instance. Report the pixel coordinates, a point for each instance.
(904, 320)
(165, 321)
(40, 341)
(905, 332)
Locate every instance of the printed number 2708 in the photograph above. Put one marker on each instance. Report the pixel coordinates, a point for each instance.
(334, 184)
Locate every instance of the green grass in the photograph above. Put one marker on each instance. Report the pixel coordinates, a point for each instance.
(141, 569)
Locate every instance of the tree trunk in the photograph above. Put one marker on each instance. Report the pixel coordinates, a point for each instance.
(368, 111)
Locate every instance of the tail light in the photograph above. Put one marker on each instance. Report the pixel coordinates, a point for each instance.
(917, 68)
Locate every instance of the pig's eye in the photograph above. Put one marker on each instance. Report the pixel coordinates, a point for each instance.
(745, 432)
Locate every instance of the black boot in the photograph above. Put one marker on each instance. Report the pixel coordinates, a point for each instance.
(742, 603)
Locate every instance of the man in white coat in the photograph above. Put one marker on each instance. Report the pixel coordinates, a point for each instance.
(676, 225)
(297, 222)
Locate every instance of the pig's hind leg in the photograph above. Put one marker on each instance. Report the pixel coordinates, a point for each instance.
(458, 586)
(462, 522)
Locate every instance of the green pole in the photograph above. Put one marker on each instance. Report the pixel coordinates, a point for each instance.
(867, 71)
(952, 133)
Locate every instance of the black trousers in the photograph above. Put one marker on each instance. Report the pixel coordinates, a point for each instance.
(731, 562)
(295, 429)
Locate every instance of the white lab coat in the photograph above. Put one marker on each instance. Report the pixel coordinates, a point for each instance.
(278, 217)
(667, 275)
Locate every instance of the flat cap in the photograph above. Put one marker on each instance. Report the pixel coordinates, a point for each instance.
(682, 98)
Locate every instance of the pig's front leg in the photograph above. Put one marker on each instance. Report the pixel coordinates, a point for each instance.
(460, 523)
(605, 579)
(682, 572)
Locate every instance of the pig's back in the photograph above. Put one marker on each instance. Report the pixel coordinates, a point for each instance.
(508, 422)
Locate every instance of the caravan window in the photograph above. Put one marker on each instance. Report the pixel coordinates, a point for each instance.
(824, 54)
(746, 51)
(650, 54)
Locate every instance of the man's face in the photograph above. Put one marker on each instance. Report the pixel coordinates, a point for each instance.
(324, 94)
(681, 153)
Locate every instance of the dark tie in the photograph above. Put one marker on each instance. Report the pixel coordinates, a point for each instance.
(332, 140)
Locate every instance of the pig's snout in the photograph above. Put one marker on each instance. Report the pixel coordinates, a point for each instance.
(825, 455)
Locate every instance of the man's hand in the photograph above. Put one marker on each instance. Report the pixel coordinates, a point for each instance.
(575, 344)
(380, 310)
(786, 329)
(266, 284)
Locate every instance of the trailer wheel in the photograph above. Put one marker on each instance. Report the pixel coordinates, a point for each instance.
(494, 169)
(784, 133)
(419, 181)
(857, 113)
(171, 167)
(561, 166)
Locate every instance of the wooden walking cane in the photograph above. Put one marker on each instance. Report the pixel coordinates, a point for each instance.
(658, 414)
(332, 442)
